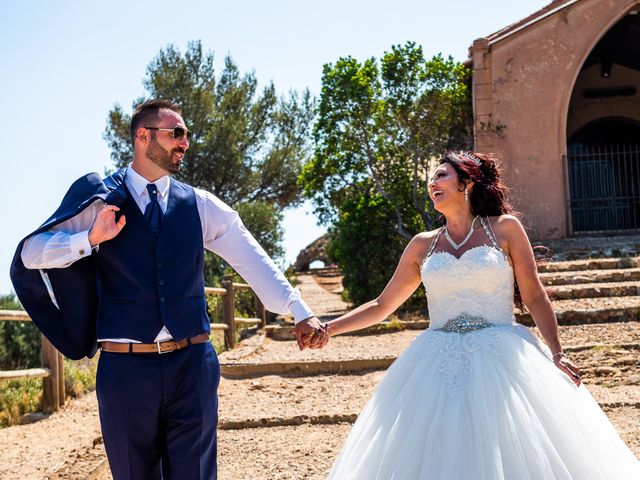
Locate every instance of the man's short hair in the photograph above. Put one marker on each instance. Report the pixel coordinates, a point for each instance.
(148, 114)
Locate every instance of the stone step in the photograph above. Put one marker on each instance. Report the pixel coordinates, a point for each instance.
(590, 276)
(569, 311)
(324, 272)
(611, 373)
(353, 366)
(346, 353)
(331, 279)
(552, 266)
(593, 310)
(590, 264)
(594, 247)
(593, 290)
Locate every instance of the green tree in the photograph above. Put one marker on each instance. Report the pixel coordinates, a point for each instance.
(380, 125)
(363, 226)
(249, 144)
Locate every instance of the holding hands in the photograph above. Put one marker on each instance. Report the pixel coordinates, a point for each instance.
(311, 333)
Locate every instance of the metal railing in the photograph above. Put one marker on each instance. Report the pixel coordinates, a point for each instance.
(52, 370)
(604, 182)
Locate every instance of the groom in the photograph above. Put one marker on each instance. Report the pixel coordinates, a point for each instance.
(120, 266)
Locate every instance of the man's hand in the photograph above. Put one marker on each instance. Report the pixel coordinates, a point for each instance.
(105, 226)
(311, 334)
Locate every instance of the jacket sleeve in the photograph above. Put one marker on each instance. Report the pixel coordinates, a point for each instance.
(64, 243)
(62, 302)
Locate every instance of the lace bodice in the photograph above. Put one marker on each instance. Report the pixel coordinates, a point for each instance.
(479, 283)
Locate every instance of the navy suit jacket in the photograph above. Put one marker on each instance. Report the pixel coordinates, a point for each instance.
(66, 309)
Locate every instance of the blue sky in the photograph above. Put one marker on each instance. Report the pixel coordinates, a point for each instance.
(65, 64)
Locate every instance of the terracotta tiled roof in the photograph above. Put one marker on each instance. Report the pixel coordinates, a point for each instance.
(555, 5)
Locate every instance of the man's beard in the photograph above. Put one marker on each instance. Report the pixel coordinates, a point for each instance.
(162, 158)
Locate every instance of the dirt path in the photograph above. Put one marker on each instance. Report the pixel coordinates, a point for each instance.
(40, 449)
(324, 303)
(303, 435)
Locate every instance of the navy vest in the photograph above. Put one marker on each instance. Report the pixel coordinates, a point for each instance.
(146, 281)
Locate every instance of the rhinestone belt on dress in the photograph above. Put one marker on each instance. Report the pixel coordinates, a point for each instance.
(464, 323)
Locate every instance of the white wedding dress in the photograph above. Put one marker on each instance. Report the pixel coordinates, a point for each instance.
(477, 397)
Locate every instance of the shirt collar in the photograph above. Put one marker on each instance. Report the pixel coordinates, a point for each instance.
(139, 184)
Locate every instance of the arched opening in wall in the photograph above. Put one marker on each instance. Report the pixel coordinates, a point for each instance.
(316, 264)
(603, 132)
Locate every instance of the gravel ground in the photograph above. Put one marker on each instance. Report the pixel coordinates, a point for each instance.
(627, 423)
(27, 452)
(339, 348)
(612, 368)
(599, 333)
(597, 303)
(275, 397)
(307, 452)
(302, 452)
(39, 449)
(68, 445)
(346, 347)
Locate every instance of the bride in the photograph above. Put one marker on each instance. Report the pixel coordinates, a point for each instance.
(476, 395)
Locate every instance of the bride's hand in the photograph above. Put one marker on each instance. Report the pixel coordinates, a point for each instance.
(567, 366)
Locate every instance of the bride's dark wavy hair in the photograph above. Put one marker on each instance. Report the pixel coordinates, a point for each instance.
(488, 197)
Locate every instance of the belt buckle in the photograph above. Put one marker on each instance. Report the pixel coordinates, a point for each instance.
(160, 352)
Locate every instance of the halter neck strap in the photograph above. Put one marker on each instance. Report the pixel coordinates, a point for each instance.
(486, 224)
(434, 242)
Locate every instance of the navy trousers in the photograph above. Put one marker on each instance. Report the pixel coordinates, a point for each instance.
(159, 413)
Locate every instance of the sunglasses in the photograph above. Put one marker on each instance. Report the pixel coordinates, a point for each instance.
(177, 133)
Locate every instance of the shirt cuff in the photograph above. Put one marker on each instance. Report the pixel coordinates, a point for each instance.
(300, 310)
(79, 244)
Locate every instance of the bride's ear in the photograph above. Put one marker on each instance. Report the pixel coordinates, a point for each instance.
(468, 185)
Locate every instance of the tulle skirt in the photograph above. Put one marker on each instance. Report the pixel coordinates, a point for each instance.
(483, 405)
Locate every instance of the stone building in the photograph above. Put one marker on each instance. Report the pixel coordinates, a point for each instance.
(557, 97)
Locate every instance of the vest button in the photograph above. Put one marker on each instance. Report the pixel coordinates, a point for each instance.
(162, 299)
(160, 282)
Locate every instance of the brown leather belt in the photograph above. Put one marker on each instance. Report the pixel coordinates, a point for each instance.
(157, 347)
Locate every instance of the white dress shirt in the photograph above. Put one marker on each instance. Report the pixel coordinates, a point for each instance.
(222, 233)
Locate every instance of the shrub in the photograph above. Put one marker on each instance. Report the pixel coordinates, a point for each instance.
(18, 397)
(19, 341)
(367, 248)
